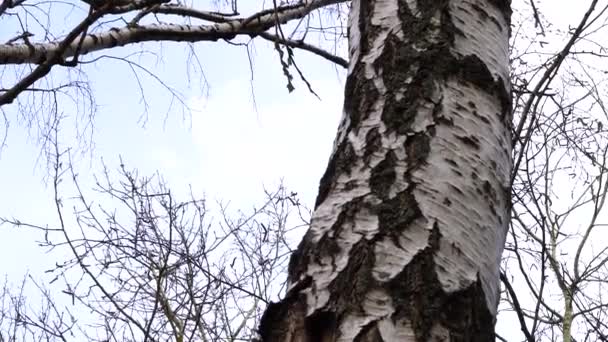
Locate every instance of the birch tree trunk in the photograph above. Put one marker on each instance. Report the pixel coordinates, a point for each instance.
(412, 212)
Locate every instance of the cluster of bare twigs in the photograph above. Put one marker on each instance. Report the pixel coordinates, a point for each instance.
(153, 268)
(35, 40)
(555, 258)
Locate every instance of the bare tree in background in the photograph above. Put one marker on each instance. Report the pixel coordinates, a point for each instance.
(412, 213)
(146, 266)
(555, 260)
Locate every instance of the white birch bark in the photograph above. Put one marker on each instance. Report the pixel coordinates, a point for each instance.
(413, 210)
(38, 53)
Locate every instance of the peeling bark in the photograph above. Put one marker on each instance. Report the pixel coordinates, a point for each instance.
(412, 212)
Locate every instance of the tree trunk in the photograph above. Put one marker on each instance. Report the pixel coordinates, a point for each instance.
(412, 212)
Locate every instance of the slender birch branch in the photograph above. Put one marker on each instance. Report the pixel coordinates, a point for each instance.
(253, 26)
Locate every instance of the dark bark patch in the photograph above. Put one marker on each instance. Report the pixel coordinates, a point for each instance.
(419, 297)
(340, 163)
(474, 70)
(369, 333)
(429, 8)
(451, 162)
(480, 12)
(398, 115)
(349, 288)
(417, 148)
(445, 121)
(299, 258)
(466, 315)
(489, 191)
(470, 141)
(416, 290)
(373, 143)
(308, 252)
(491, 196)
(426, 57)
(366, 29)
(328, 245)
(360, 95)
(482, 117)
(504, 6)
(397, 213)
(348, 186)
(455, 189)
(113, 41)
(383, 176)
(284, 318)
(430, 59)
(321, 326)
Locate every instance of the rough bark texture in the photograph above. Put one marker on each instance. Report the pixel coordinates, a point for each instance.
(412, 212)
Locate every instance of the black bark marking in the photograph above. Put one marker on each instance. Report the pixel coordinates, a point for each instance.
(417, 148)
(474, 70)
(340, 163)
(299, 258)
(470, 141)
(360, 95)
(348, 186)
(349, 288)
(415, 290)
(93, 38)
(373, 143)
(282, 317)
(396, 214)
(419, 297)
(369, 333)
(457, 190)
(321, 326)
(383, 176)
(466, 315)
(327, 246)
(451, 162)
(504, 7)
(480, 11)
(488, 189)
(113, 41)
(491, 196)
(399, 114)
